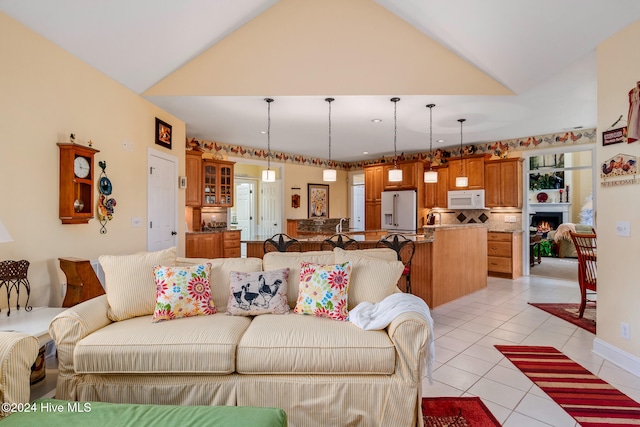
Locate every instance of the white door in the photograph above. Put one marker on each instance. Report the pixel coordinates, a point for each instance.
(357, 207)
(162, 205)
(245, 209)
(270, 208)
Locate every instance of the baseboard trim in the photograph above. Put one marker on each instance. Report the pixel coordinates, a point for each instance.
(618, 357)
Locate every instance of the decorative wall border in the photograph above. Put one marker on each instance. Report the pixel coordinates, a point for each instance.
(499, 149)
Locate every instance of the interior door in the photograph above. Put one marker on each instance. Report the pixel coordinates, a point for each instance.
(245, 209)
(270, 208)
(357, 208)
(162, 205)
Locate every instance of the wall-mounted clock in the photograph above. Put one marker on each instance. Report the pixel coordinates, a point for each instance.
(76, 183)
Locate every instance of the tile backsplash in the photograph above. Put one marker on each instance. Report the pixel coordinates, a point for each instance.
(496, 220)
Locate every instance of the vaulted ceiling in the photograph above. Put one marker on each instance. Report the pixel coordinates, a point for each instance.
(511, 68)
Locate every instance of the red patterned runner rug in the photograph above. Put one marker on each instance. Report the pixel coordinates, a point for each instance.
(590, 400)
(456, 412)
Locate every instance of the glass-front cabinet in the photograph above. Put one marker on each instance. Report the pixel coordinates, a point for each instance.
(217, 183)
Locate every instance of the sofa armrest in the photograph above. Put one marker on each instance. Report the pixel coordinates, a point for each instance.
(18, 351)
(410, 333)
(67, 329)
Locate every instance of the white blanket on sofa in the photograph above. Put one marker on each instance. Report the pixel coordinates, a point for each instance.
(370, 316)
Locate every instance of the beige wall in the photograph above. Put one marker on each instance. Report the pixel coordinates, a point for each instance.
(618, 289)
(46, 94)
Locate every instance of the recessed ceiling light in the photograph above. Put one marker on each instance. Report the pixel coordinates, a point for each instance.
(263, 132)
(376, 120)
(365, 152)
(440, 140)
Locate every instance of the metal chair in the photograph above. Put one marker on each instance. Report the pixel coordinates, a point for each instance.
(587, 260)
(341, 241)
(282, 243)
(12, 275)
(404, 248)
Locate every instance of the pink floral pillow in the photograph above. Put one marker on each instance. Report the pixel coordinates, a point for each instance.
(182, 292)
(323, 290)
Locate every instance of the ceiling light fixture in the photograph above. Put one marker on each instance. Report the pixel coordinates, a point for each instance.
(461, 180)
(395, 174)
(430, 176)
(268, 175)
(329, 174)
(376, 120)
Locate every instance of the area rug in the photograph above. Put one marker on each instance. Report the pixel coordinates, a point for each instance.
(456, 412)
(569, 312)
(591, 401)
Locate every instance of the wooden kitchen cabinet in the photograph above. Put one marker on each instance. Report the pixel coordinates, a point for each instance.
(436, 193)
(193, 169)
(373, 186)
(472, 167)
(503, 183)
(411, 176)
(204, 245)
(504, 254)
(217, 183)
(372, 215)
(231, 243)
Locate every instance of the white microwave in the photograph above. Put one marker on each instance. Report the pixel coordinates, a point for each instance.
(466, 199)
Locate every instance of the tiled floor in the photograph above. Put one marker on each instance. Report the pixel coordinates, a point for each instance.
(467, 364)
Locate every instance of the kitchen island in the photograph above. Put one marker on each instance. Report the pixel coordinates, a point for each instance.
(450, 261)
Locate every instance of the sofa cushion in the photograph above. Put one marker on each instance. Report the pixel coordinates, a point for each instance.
(194, 345)
(259, 292)
(292, 260)
(311, 345)
(323, 290)
(130, 288)
(221, 269)
(182, 292)
(372, 279)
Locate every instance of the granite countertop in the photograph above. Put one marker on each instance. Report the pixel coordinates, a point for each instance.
(210, 231)
(497, 230)
(452, 226)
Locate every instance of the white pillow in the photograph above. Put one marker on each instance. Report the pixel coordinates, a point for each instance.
(130, 284)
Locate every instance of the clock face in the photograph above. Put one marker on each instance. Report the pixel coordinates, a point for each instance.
(81, 167)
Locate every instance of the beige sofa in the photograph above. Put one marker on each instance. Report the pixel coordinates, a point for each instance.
(18, 351)
(322, 372)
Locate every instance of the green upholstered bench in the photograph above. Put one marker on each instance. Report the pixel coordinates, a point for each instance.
(53, 413)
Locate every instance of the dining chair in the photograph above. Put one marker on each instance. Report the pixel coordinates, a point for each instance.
(587, 273)
(282, 243)
(404, 248)
(341, 241)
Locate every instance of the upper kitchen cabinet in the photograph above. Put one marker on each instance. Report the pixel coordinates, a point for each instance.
(503, 183)
(217, 183)
(472, 167)
(436, 193)
(193, 168)
(411, 176)
(373, 183)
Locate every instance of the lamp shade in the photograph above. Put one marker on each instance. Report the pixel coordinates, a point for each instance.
(430, 176)
(4, 234)
(268, 175)
(395, 175)
(329, 175)
(462, 181)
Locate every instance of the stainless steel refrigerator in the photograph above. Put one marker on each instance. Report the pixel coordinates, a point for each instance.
(399, 211)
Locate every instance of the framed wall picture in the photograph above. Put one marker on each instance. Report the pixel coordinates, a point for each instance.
(318, 197)
(163, 133)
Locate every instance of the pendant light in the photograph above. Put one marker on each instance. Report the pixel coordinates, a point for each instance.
(329, 174)
(395, 174)
(268, 175)
(461, 180)
(430, 176)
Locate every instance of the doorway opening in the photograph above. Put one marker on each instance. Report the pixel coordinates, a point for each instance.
(356, 223)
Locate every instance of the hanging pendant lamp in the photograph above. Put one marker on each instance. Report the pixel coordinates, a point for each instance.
(329, 175)
(395, 174)
(268, 175)
(461, 180)
(430, 176)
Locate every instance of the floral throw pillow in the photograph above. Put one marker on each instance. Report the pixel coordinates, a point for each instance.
(259, 292)
(323, 290)
(182, 292)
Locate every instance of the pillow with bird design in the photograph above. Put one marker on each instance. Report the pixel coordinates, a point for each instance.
(259, 292)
